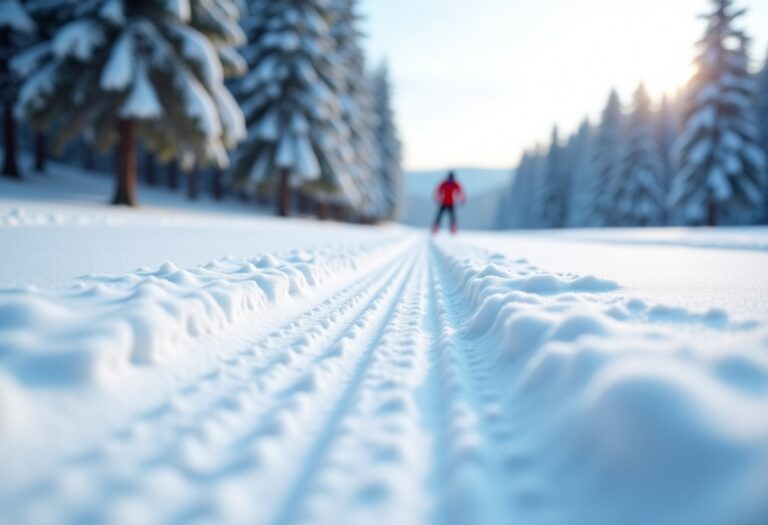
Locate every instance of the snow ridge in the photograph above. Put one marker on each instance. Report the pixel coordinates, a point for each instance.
(636, 388)
(408, 382)
(144, 316)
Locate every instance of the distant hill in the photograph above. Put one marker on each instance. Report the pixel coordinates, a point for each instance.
(484, 187)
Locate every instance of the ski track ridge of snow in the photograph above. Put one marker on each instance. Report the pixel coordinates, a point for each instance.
(413, 382)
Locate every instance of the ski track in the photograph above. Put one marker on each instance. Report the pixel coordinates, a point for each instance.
(381, 386)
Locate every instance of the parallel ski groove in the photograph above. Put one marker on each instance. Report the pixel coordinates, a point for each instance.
(158, 434)
(471, 481)
(291, 505)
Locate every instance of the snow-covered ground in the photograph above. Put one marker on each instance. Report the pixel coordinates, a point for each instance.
(170, 365)
(95, 238)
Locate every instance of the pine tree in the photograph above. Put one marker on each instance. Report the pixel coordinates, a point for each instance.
(762, 98)
(579, 154)
(48, 21)
(553, 186)
(606, 162)
(763, 120)
(389, 148)
(667, 131)
(720, 161)
(117, 70)
(16, 29)
(639, 199)
(297, 137)
(521, 202)
(358, 112)
(530, 187)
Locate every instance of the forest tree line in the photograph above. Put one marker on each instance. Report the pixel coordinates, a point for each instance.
(270, 100)
(697, 158)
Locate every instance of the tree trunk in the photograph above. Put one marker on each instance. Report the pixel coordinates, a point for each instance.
(89, 161)
(323, 210)
(283, 195)
(173, 175)
(192, 187)
(217, 189)
(341, 213)
(150, 169)
(125, 193)
(10, 165)
(40, 152)
(712, 213)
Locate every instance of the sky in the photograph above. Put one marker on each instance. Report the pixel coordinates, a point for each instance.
(478, 81)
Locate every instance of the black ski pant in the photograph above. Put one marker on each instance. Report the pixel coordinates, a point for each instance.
(446, 208)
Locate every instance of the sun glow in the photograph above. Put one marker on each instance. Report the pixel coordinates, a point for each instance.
(475, 86)
(665, 77)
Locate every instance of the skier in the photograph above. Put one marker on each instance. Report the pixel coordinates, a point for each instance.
(448, 193)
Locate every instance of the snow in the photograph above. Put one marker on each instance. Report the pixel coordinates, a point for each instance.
(198, 104)
(307, 164)
(179, 8)
(38, 87)
(198, 49)
(174, 364)
(142, 101)
(284, 158)
(113, 11)
(13, 15)
(79, 39)
(120, 68)
(232, 118)
(25, 62)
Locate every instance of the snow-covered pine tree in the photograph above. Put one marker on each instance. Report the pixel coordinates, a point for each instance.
(553, 187)
(297, 137)
(119, 70)
(358, 112)
(49, 16)
(504, 212)
(763, 102)
(16, 30)
(639, 197)
(666, 131)
(521, 198)
(530, 188)
(579, 155)
(606, 161)
(389, 148)
(720, 161)
(763, 119)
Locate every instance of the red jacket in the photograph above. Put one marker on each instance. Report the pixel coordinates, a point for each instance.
(449, 192)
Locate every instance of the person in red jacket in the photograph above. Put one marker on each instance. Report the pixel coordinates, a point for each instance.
(447, 195)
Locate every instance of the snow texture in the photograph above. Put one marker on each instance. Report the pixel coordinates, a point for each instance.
(13, 16)
(142, 101)
(387, 378)
(120, 68)
(78, 39)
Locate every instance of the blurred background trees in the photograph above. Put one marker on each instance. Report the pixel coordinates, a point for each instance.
(275, 102)
(695, 159)
(141, 84)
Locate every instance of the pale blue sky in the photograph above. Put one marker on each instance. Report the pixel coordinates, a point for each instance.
(476, 81)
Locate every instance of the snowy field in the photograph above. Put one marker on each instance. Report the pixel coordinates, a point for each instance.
(172, 365)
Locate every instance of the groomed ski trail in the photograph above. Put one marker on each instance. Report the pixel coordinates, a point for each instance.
(362, 385)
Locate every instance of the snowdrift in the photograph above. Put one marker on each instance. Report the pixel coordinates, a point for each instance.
(636, 413)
